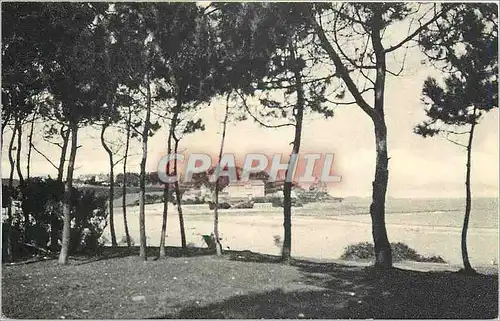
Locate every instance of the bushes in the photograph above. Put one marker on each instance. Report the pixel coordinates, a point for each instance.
(359, 251)
(89, 219)
(38, 221)
(190, 201)
(150, 199)
(264, 199)
(220, 205)
(279, 202)
(243, 204)
(400, 252)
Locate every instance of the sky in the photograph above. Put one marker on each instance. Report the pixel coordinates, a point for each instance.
(430, 167)
(418, 167)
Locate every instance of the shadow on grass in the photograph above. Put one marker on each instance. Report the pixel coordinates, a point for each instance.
(109, 252)
(359, 292)
(249, 256)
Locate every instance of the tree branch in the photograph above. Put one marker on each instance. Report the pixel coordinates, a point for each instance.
(118, 161)
(339, 48)
(341, 103)
(342, 70)
(256, 119)
(350, 18)
(402, 65)
(270, 82)
(454, 142)
(417, 31)
(123, 157)
(44, 156)
(457, 133)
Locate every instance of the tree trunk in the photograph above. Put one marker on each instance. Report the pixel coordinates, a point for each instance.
(383, 255)
(166, 191)
(18, 151)
(10, 252)
(465, 255)
(142, 179)
(218, 245)
(54, 235)
(111, 186)
(383, 252)
(179, 205)
(26, 214)
(65, 137)
(5, 120)
(54, 220)
(287, 188)
(63, 255)
(286, 251)
(124, 187)
(30, 146)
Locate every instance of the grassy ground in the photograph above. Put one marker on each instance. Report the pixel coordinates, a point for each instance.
(238, 285)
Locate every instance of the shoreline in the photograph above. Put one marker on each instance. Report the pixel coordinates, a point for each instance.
(318, 237)
(301, 212)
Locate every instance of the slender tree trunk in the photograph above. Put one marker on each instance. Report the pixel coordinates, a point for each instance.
(65, 137)
(26, 214)
(465, 255)
(287, 188)
(218, 245)
(111, 199)
(179, 205)
(10, 252)
(6, 118)
(30, 146)
(383, 253)
(166, 191)
(111, 186)
(63, 255)
(54, 235)
(124, 187)
(54, 219)
(18, 151)
(142, 180)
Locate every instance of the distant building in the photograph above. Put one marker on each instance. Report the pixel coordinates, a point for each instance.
(94, 179)
(274, 187)
(87, 177)
(248, 190)
(190, 192)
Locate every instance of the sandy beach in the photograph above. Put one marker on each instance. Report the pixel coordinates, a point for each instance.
(317, 237)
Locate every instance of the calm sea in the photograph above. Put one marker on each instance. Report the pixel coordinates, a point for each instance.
(446, 212)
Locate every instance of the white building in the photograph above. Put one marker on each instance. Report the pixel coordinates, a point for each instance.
(248, 190)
